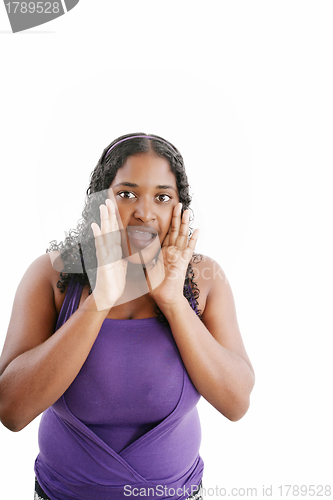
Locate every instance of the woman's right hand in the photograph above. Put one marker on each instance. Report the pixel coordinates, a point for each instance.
(112, 268)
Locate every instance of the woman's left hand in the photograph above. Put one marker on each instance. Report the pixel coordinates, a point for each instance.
(166, 276)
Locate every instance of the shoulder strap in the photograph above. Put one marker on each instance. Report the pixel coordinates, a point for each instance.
(71, 302)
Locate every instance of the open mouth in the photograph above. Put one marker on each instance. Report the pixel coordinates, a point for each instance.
(140, 236)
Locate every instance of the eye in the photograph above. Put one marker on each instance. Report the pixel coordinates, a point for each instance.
(126, 195)
(163, 198)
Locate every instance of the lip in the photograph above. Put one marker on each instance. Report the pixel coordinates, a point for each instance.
(141, 236)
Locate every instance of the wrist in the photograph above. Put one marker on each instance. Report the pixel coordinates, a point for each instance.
(95, 304)
(174, 308)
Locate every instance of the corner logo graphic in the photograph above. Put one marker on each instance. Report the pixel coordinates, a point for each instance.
(25, 15)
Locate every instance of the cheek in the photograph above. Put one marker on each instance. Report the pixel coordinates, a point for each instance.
(167, 221)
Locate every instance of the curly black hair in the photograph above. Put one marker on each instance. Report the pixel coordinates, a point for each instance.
(112, 159)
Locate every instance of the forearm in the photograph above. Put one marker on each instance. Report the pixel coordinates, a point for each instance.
(37, 378)
(220, 375)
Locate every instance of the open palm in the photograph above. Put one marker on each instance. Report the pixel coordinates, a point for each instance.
(111, 271)
(166, 276)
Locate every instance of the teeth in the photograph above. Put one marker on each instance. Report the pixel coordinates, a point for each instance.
(145, 234)
(141, 232)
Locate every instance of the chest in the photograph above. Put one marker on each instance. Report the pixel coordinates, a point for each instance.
(133, 374)
(138, 308)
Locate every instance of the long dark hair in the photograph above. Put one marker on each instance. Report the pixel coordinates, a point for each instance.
(112, 159)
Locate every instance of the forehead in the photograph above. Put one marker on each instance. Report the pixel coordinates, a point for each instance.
(146, 167)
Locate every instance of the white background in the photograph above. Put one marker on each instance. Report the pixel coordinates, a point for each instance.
(244, 90)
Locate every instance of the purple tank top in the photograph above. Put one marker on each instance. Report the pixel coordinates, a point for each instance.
(128, 423)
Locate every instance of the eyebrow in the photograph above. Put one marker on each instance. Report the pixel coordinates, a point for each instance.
(132, 185)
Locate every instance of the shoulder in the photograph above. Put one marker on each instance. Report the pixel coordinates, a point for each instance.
(45, 268)
(205, 268)
(42, 277)
(207, 272)
(34, 311)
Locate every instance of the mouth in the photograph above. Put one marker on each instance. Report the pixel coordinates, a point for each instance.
(140, 236)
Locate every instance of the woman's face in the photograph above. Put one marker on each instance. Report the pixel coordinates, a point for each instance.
(146, 193)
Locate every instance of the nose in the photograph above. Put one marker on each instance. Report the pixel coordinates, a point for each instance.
(145, 210)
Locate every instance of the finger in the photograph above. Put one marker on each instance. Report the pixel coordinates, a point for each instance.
(105, 227)
(113, 237)
(101, 252)
(105, 219)
(166, 241)
(193, 240)
(114, 226)
(175, 224)
(187, 253)
(112, 198)
(95, 229)
(182, 238)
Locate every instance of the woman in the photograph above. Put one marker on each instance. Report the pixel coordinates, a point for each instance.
(117, 348)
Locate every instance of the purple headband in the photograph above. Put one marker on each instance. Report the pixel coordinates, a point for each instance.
(135, 137)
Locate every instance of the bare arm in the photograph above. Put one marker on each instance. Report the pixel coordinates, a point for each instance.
(37, 367)
(212, 350)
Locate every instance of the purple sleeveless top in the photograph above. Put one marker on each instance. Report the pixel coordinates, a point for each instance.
(128, 424)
